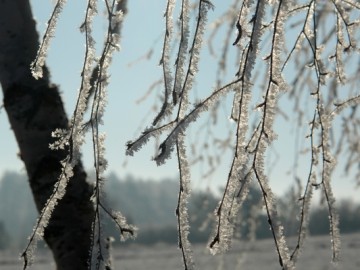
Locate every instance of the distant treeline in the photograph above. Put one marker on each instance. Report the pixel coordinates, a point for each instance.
(150, 205)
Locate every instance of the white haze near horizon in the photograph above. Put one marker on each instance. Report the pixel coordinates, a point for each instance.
(124, 118)
(244, 255)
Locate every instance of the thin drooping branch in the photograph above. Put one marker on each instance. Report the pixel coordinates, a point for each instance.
(259, 49)
(37, 66)
(165, 63)
(35, 110)
(181, 209)
(253, 37)
(69, 141)
(99, 257)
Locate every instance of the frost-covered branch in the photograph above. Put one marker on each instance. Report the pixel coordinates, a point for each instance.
(275, 49)
(93, 80)
(39, 62)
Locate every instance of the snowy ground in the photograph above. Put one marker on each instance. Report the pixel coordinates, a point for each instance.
(245, 256)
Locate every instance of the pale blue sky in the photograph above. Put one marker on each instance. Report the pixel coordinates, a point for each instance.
(124, 118)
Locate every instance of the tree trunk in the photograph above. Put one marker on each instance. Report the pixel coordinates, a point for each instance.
(35, 109)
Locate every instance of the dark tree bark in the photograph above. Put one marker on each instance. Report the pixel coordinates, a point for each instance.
(35, 109)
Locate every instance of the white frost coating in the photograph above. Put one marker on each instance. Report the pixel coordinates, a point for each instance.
(99, 153)
(345, 35)
(167, 146)
(309, 33)
(228, 209)
(271, 211)
(267, 134)
(100, 93)
(353, 101)
(74, 138)
(237, 182)
(62, 136)
(99, 83)
(165, 62)
(304, 217)
(284, 251)
(182, 211)
(46, 212)
(76, 133)
(239, 174)
(127, 231)
(181, 57)
(204, 7)
(165, 59)
(235, 106)
(278, 46)
(255, 41)
(39, 62)
(328, 163)
(134, 146)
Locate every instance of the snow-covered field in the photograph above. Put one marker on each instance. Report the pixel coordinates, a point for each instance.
(316, 255)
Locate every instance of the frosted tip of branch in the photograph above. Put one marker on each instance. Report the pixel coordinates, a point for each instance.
(36, 71)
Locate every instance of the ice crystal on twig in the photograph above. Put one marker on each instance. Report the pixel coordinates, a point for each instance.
(181, 209)
(39, 62)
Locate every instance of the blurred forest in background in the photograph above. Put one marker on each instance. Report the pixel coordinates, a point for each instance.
(151, 205)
